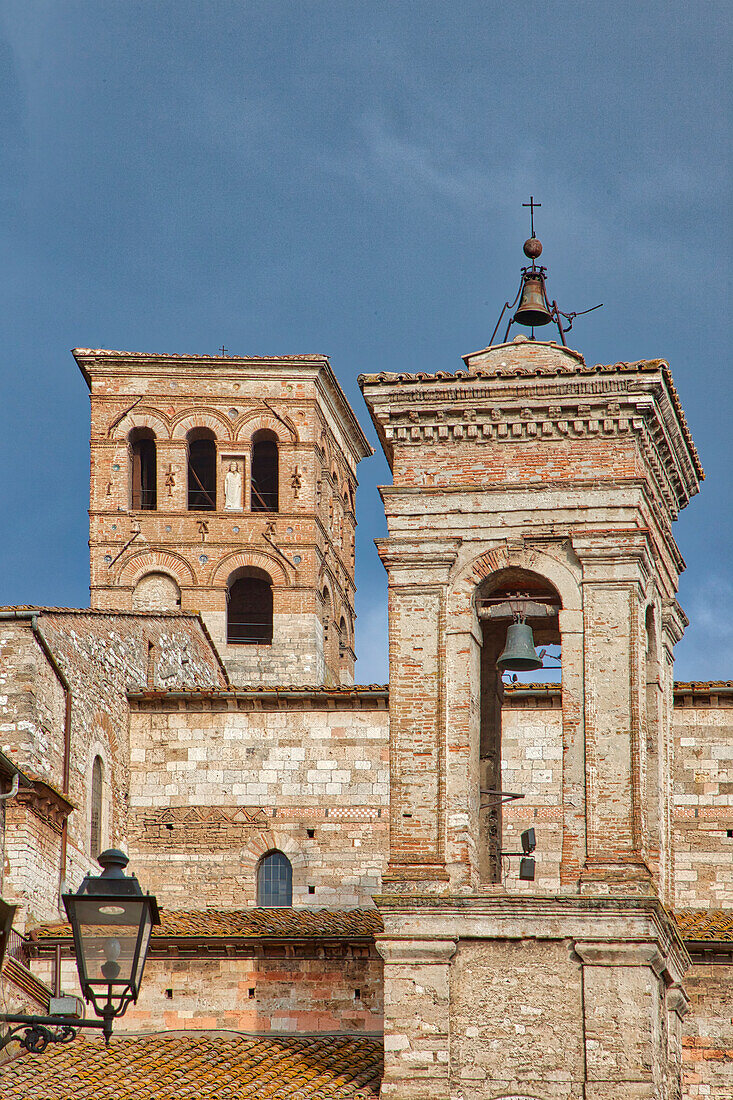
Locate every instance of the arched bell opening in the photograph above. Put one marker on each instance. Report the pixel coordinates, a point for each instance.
(507, 600)
(201, 470)
(265, 477)
(143, 469)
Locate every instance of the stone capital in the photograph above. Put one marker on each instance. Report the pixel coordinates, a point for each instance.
(678, 1001)
(413, 952)
(621, 954)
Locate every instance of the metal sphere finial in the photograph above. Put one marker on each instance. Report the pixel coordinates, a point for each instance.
(532, 248)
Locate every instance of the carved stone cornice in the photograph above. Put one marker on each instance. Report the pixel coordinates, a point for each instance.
(527, 404)
(46, 803)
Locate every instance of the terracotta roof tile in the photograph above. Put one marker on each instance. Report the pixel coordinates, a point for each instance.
(27, 609)
(290, 923)
(111, 353)
(705, 924)
(199, 1066)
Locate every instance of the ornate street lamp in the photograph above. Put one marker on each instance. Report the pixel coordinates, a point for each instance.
(111, 921)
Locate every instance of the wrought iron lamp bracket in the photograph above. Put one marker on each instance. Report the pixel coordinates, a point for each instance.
(35, 1033)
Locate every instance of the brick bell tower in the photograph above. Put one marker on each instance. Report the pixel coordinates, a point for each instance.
(531, 472)
(226, 484)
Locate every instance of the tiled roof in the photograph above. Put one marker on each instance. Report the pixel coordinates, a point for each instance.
(288, 923)
(279, 690)
(703, 685)
(110, 353)
(705, 924)
(199, 1066)
(26, 609)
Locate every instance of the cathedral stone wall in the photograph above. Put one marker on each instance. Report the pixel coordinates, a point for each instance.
(703, 796)
(217, 782)
(31, 704)
(524, 1025)
(63, 704)
(295, 988)
(531, 765)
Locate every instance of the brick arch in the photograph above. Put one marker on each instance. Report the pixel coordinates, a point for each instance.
(156, 561)
(265, 841)
(325, 445)
(240, 559)
(251, 422)
(472, 573)
(204, 417)
(326, 580)
(142, 417)
(344, 614)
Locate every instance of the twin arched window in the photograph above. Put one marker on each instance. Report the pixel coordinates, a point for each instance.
(275, 880)
(249, 608)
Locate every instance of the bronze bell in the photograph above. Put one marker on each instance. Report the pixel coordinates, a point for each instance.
(519, 654)
(532, 309)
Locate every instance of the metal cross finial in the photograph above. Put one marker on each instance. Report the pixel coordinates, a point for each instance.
(225, 351)
(532, 205)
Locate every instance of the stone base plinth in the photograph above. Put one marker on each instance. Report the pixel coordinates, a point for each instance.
(565, 998)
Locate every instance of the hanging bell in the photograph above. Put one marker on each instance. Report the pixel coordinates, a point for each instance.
(519, 654)
(532, 309)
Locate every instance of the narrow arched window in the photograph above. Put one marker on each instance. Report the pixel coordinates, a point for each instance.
(327, 613)
(144, 469)
(265, 494)
(95, 840)
(275, 880)
(249, 608)
(201, 470)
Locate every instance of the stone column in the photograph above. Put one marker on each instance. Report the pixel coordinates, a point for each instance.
(416, 1018)
(614, 571)
(172, 460)
(573, 770)
(417, 584)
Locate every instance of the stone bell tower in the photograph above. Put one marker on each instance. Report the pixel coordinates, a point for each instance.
(529, 471)
(226, 484)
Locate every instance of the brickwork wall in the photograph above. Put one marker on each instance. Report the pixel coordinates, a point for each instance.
(305, 545)
(100, 656)
(31, 705)
(213, 787)
(707, 1042)
(290, 988)
(32, 867)
(703, 798)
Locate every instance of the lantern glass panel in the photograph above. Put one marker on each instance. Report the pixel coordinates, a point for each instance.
(144, 931)
(109, 939)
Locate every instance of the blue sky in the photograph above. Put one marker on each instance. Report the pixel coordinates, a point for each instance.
(347, 178)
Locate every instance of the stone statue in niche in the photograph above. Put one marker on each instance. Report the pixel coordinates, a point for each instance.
(233, 489)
